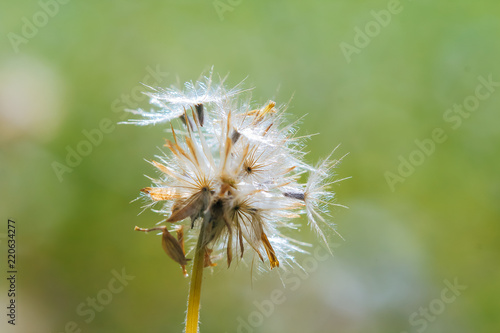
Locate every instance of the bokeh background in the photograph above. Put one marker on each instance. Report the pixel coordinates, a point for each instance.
(84, 61)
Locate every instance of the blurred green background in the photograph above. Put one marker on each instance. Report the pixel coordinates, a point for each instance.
(82, 62)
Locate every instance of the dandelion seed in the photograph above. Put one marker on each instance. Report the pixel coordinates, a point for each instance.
(231, 175)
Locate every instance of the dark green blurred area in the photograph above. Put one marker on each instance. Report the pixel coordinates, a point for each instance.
(441, 223)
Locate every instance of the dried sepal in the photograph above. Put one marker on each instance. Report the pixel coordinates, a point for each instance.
(208, 258)
(161, 193)
(171, 246)
(191, 207)
(273, 260)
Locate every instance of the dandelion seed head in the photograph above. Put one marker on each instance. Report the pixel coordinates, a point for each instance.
(232, 170)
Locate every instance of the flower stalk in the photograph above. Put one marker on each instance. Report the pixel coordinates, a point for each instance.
(193, 310)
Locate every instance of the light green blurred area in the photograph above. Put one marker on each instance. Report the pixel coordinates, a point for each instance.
(441, 223)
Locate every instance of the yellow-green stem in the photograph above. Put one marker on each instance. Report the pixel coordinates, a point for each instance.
(193, 311)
